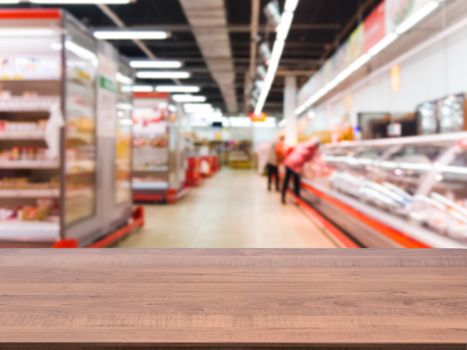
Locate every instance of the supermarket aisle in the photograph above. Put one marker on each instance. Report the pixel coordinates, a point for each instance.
(231, 210)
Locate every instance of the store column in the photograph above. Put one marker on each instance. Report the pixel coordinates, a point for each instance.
(290, 96)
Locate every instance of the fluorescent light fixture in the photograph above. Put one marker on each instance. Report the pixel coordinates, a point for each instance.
(123, 79)
(131, 34)
(139, 88)
(189, 98)
(282, 31)
(417, 17)
(80, 51)
(178, 88)
(271, 73)
(172, 108)
(385, 42)
(290, 5)
(155, 64)
(27, 31)
(80, 2)
(282, 123)
(125, 106)
(162, 75)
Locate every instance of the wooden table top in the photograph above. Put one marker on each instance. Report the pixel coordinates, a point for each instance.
(232, 297)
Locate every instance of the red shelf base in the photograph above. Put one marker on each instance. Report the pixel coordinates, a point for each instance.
(136, 222)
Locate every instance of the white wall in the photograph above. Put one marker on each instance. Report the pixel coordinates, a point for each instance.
(434, 72)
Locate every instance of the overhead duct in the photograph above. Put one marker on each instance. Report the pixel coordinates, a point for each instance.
(208, 21)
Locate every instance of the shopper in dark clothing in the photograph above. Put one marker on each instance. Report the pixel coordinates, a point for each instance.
(273, 174)
(294, 165)
(272, 168)
(295, 177)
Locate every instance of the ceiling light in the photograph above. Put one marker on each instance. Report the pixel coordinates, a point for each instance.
(189, 98)
(265, 51)
(261, 71)
(290, 5)
(155, 64)
(9, 2)
(83, 2)
(163, 75)
(281, 35)
(272, 13)
(177, 88)
(131, 35)
(283, 28)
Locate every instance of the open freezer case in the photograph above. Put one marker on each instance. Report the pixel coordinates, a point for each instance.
(48, 123)
(406, 192)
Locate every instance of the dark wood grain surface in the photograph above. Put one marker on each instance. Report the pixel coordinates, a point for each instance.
(324, 298)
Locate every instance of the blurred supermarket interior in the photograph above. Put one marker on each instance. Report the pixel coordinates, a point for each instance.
(233, 123)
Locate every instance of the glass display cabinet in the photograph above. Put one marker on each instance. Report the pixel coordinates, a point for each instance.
(409, 192)
(50, 70)
(159, 159)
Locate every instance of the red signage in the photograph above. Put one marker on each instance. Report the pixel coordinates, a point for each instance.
(375, 26)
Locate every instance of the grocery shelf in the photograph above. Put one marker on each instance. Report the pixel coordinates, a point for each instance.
(32, 136)
(29, 193)
(28, 164)
(27, 104)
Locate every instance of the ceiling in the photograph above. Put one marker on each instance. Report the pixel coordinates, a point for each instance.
(318, 26)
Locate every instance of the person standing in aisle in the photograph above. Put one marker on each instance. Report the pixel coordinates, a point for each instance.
(275, 157)
(294, 165)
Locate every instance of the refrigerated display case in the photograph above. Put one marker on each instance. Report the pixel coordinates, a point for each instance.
(158, 159)
(406, 192)
(49, 132)
(123, 139)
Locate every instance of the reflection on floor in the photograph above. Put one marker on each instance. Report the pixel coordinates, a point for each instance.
(231, 210)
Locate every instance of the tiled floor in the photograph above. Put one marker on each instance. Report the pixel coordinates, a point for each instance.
(231, 210)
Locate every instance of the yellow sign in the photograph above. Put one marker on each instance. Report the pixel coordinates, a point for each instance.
(396, 78)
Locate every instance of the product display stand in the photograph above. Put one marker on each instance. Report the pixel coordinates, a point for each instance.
(158, 157)
(52, 77)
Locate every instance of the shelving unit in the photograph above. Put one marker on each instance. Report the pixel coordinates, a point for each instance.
(159, 160)
(52, 153)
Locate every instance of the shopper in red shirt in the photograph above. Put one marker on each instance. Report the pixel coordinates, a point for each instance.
(294, 165)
